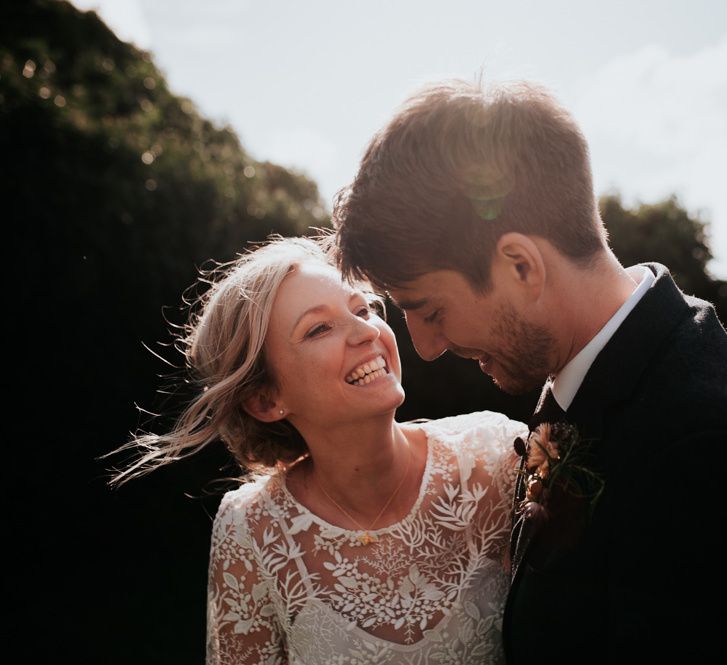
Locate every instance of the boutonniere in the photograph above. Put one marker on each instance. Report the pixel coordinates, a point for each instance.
(556, 455)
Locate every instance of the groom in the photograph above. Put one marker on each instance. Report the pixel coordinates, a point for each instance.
(475, 210)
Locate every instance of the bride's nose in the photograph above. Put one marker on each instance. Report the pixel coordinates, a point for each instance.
(363, 330)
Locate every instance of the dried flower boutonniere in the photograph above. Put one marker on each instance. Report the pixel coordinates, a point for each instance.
(555, 455)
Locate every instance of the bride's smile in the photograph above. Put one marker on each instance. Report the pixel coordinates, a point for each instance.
(368, 371)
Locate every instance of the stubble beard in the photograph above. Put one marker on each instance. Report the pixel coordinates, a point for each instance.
(524, 355)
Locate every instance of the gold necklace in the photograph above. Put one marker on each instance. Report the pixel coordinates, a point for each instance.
(366, 538)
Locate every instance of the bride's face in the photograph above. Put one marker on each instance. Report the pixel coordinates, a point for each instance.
(333, 359)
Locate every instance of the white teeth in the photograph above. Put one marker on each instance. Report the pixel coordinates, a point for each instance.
(370, 377)
(366, 373)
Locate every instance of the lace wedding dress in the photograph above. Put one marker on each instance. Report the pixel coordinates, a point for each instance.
(286, 586)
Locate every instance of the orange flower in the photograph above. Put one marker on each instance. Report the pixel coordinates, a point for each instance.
(542, 449)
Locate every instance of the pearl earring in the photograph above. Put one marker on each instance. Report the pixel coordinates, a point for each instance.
(281, 412)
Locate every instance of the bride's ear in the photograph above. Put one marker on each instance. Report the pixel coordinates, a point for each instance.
(264, 406)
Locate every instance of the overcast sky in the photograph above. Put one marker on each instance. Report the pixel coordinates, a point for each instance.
(306, 83)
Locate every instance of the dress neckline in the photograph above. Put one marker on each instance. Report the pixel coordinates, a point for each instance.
(423, 485)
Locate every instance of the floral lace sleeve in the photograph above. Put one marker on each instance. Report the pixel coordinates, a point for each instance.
(242, 625)
(496, 465)
(488, 471)
(506, 462)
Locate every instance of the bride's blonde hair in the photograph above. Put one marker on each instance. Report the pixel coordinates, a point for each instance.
(223, 345)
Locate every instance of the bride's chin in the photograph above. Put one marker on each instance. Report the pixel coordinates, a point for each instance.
(394, 397)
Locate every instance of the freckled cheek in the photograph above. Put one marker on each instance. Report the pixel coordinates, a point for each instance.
(308, 389)
(299, 373)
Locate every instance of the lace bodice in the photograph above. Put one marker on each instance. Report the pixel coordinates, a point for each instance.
(286, 586)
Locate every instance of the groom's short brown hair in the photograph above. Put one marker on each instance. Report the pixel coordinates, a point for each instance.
(457, 167)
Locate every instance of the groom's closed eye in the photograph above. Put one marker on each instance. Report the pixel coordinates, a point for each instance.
(435, 316)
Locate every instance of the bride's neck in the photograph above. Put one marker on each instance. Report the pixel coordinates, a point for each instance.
(359, 466)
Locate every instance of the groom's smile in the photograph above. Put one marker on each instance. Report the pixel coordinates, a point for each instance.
(484, 363)
(444, 312)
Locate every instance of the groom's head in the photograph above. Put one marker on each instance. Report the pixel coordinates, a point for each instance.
(460, 202)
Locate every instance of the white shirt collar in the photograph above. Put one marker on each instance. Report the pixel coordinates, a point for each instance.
(569, 379)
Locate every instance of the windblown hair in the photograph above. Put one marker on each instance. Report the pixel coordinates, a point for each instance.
(455, 169)
(223, 344)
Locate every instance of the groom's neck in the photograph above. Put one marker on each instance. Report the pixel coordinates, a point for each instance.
(585, 298)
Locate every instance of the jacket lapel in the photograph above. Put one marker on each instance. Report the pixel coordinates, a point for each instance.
(616, 371)
(612, 378)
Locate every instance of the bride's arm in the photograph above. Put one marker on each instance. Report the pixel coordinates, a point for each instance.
(242, 625)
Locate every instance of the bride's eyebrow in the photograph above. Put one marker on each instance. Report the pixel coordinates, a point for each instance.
(313, 310)
(323, 307)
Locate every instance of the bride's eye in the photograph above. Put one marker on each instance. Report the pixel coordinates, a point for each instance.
(376, 307)
(364, 312)
(318, 330)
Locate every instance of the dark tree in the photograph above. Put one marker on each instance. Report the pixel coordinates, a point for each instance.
(115, 191)
(665, 232)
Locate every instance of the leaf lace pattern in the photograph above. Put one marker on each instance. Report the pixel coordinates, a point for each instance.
(287, 587)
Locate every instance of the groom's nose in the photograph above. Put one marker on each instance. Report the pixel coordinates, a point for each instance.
(428, 342)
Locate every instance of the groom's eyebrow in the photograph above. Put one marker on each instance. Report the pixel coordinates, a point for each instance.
(410, 304)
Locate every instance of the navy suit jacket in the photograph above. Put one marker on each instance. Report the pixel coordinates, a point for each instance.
(633, 581)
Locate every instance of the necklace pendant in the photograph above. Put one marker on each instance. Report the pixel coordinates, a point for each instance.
(366, 538)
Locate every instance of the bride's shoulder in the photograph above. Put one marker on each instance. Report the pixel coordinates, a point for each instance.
(482, 444)
(237, 503)
(475, 426)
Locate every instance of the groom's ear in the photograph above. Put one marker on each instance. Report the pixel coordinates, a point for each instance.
(519, 262)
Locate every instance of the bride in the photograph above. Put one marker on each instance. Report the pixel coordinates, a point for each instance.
(354, 539)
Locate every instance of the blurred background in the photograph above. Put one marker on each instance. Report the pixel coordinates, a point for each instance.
(144, 139)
